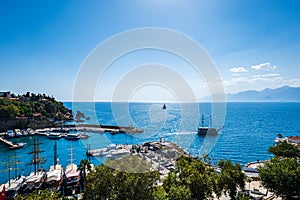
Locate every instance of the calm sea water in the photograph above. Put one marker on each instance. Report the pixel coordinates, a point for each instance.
(249, 130)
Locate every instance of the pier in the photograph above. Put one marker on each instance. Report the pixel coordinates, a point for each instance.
(10, 144)
(104, 128)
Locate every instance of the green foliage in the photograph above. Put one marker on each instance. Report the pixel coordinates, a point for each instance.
(180, 192)
(131, 164)
(109, 183)
(231, 178)
(28, 104)
(197, 176)
(8, 110)
(281, 176)
(25, 107)
(285, 149)
(84, 166)
(159, 193)
(40, 195)
(193, 179)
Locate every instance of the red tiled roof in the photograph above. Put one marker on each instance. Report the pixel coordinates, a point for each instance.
(295, 138)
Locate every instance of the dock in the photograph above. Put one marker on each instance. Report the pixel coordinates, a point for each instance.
(10, 144)
(103, 128)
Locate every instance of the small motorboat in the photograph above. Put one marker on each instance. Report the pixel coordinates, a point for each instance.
(72, 136)
(54, 135)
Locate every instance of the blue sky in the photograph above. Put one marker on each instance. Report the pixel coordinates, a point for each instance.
(255, 44)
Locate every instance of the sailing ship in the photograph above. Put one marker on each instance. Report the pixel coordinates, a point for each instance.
(37, 178)
(13, 186)
(71, 177)
(164, 107)
(207, 130)
(54, 175)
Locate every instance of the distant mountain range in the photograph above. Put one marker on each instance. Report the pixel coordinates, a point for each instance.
(282, 94)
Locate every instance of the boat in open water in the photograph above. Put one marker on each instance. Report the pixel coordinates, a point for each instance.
(202, 131)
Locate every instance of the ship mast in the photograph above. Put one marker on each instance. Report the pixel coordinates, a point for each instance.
(55, 154)
(71, 154)
(9, 165)
(36, 155)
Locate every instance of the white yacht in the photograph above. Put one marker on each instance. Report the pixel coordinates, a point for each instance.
(54, 178)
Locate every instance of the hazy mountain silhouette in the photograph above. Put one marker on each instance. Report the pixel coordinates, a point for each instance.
(282, 94)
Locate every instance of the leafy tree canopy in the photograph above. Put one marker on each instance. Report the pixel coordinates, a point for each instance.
(285, 149)
(281, 176)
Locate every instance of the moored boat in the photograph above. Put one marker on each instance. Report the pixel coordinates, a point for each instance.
(72, 136)
(13, 186)
(71, 177)
(10, 133)
(55, 173)
(54, 135)
(18, 133)
(34, 181)
(54, 178)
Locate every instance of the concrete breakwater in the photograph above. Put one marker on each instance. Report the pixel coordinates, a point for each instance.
(103, 128)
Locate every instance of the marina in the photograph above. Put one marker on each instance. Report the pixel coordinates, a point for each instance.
(68, 131)
(101, 146)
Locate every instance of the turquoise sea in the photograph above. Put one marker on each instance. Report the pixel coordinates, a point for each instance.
(249, 129)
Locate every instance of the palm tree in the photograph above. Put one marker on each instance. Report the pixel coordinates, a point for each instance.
(84, 166)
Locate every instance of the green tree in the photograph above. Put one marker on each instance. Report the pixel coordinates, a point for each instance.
(108, 183)
(281, 176)
(84, 166)
(159, 193)
(42, 195)
(198, 177)
(285, 149)
(100, 183)
(9, 111)
(231, 178)
(180, 192)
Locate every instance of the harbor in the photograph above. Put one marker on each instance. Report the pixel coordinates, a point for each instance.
(67, 131)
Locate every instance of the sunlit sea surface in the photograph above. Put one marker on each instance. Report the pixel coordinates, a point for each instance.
(249, 129)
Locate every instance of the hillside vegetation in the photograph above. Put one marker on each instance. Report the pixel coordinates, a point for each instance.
(22, 111)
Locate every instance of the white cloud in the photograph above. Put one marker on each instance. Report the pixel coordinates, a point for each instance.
(264, 66)
(238, 69)
(266, 75)
(264, 78)
(294, 82)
